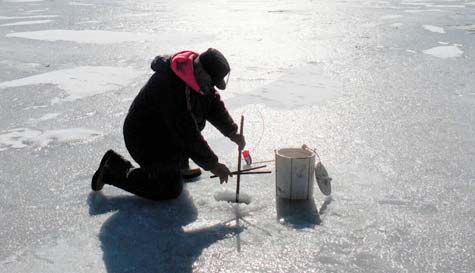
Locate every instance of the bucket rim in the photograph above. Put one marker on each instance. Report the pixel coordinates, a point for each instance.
(309, 152)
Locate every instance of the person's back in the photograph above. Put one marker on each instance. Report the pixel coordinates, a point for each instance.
(144, 124)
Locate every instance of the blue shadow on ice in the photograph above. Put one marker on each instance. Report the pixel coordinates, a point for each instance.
(147, 236)
(297, 213)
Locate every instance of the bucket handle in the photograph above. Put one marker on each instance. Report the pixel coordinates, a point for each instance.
(321, 174)
(305, 147)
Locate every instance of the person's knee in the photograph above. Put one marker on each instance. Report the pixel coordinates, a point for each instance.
(175, 190)
(166, 192)
(164, 195)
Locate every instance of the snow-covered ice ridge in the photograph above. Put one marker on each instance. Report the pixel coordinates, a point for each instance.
(84, 36)
(24, 137)
(81, 82)
(22, 23)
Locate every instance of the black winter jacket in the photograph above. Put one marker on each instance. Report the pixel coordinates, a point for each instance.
(166, 117)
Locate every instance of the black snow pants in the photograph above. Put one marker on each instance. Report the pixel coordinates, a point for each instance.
(158, 177)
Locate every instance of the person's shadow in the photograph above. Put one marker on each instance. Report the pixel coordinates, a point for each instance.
(146, 236)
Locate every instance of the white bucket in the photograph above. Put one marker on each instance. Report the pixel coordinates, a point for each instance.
(294, 172)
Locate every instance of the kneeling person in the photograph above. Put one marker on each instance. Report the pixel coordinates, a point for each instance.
(162, 130)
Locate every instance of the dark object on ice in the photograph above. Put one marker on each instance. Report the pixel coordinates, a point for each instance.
(323, 180)
(162, 129)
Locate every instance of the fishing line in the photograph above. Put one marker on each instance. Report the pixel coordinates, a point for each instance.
(247, 153)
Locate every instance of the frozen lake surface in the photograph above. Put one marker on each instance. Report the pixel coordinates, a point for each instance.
(383, 89)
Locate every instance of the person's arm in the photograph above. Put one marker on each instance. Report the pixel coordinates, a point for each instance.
(219, 116)
(179, 119)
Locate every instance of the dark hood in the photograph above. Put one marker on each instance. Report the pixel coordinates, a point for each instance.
(160, 63)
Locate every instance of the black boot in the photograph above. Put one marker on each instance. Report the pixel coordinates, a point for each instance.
(186, 172)
(113, 167)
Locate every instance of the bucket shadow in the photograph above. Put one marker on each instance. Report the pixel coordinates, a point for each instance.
(298, 213)
(146, 236)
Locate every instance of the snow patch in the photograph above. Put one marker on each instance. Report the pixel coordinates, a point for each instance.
(27, 23)
(24, 137)
(302, 86)
(27, 17)
(90, 22)
(22, 1)
(414, 4)
(421, 10)
(390, 16)
(444, 52)
(434, 28)
(81, 82)
(469, 28)
(444, 6)
(79, 4)
(46, 117)
(85, 36)
(37, 10)
(396, 25)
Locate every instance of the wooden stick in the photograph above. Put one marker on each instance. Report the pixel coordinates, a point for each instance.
(260, 172)
(253, 168)
(238, 180)
(243, 171)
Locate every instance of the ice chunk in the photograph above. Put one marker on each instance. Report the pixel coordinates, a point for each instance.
(230, 196)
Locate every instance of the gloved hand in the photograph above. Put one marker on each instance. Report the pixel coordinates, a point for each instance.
(239, 140)
(222, 172)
